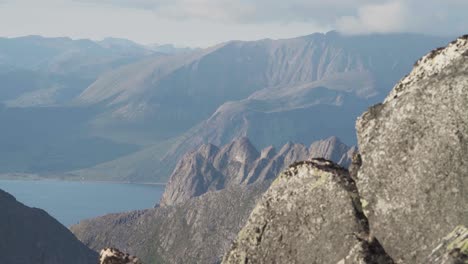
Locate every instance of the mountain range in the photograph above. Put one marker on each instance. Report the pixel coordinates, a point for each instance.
(239, 163)
(116, 110)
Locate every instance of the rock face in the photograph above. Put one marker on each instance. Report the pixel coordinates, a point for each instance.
(115, 256)
(30, 235)
(199, 230)
(414, 151)
(238, 164)
(310, 214)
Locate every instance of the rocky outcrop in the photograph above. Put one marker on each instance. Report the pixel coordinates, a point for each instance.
(311, 214)
(239, 163)
(30, 235)
(199, 230)
(414, 151)
(115, 256)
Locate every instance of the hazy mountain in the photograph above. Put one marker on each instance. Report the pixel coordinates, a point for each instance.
(176, 93)
(271, 91)
(46, 71)
(39, 77)
(65, 55)
(30, 235)
(170, 48)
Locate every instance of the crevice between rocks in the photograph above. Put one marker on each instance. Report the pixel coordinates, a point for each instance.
(370, 248)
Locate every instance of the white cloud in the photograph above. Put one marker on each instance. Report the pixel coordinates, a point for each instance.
(383, 18)
(206, 22)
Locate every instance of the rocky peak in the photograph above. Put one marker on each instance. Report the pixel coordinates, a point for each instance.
(432, 64)
(211, 168)
(208, 151)
(268, 153)
(331, 148)
(310, 214)
(414, 151)
(240, 150)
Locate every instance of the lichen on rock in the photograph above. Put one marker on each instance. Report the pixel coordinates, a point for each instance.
(453, 249)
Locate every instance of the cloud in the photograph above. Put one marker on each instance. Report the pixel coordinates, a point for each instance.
(245, 11)
(383, 18)
(207, 22)
(349, 16)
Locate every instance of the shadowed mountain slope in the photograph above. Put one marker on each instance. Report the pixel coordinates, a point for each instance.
(30, 235)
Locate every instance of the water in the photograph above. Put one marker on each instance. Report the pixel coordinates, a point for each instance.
(70, 202)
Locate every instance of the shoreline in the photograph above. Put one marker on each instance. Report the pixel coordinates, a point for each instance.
(35, 177)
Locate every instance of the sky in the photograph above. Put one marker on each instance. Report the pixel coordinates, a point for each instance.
(202, 23)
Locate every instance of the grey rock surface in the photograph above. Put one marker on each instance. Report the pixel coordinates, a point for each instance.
(30, 235)
(196, 231)
(414, 147)
(310, 214)
(239, 163)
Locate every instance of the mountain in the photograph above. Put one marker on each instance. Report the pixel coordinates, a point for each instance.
(177, 93)
(195, 231)
(130, 113)
(45, 71)
(212, 168)
(65, 55)
(40, 77)
(404, 201)
(170, 49)
(30, 235)
(271, 91)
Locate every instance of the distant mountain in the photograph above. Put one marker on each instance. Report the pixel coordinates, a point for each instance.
(151, 108)
(210, 168)
(38, 71)
(30, 235)
(170, 49)
(271, 91)
(65, 55)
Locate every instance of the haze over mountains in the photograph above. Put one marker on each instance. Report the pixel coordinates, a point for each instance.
(115, 110)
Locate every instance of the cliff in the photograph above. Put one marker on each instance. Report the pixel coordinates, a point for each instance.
(414, 150)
